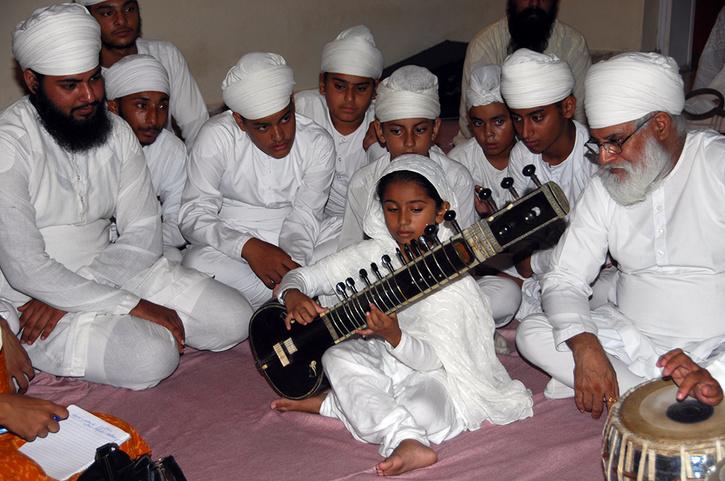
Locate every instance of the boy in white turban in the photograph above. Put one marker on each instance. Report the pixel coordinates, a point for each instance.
(486, 156)
(351, 68)
(116, 313)
(406, 122)
(655, 206)
(538, 91)
(120, 22)
(258, 179)
(137, 88)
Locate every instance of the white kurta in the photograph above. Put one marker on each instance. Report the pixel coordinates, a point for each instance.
(471, 156)
(363, 182)
(490, 45)
(187, 105)
(235, 192)
(712, 60)
(55, 216)
(351, 155)
(166, 160)
(671, 259)
(442, 378)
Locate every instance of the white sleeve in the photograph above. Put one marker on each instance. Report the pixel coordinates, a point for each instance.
(464, 189)
(301, 228)
(352, 221)
(415, 353)
(187, 104)
(170, 196)
(23, 259)
(201, 200)
(575, 263)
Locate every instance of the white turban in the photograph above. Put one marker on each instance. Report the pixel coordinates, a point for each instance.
(259, 85)
(88, 3)
(530, 79)
(353, 52)
(136, 73)
(411, 92)
(631, 85)
(485, 85)
(62, 39)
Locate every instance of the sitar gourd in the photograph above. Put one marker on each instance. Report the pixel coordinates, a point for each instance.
(291, 360)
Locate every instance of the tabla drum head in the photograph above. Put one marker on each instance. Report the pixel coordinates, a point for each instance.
(652, 411)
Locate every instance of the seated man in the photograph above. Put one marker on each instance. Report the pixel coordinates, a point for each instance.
(116, 313)
(258, 179)
(538, 90)
(406, 122)
(120, 22)
(655, 206)
(351, 68)
(137, 88)
(533, 25)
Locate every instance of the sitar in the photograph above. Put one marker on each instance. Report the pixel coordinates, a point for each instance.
(291, 360)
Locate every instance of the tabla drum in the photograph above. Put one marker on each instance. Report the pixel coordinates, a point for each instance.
(650, 436)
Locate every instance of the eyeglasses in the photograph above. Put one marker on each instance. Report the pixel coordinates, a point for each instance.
(615, 147)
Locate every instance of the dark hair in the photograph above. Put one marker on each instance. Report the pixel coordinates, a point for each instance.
(409, 176)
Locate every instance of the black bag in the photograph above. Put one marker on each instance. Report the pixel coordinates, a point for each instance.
(112, 464)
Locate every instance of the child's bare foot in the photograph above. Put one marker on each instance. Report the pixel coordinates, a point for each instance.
(409, 455)
(309, 405)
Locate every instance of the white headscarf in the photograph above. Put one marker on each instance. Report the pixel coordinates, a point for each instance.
(411, 92)
(259, 85)
(530, 79)
(88, 3)
(353, 52)
(631, 85)
(456, 321)
(485, 85)
(136, 73)
(62, 39)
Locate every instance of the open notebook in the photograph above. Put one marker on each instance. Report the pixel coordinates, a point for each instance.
(73, 447)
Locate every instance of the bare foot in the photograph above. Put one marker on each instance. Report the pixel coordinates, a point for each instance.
(309, 405)
(409, 455)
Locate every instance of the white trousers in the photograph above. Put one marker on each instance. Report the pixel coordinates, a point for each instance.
(134, 353)
(382, 401)
(238, 274)
(504, 297)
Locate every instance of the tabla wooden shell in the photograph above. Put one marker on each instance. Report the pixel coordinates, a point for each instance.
(642, 443)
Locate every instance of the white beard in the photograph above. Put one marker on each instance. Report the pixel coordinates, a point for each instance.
(640, 180)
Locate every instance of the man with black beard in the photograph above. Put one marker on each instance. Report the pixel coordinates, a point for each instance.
(116, 313)
(528, 24)
(656, 207)
(120, 22)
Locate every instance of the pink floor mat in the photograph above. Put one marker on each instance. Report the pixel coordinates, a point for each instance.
(213, 415)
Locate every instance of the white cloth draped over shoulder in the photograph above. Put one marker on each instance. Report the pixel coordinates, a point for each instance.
(351, 156)
(455, 321)
(670, 289)
(364, 180)
(166, 160)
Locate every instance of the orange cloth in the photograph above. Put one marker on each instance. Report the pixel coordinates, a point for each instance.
(15, 466)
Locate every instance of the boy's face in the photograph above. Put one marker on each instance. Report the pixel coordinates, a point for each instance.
(407, 136)
(347, 96)
(120, 22)
(146, 113)
(275, 134)
(539, 128)
(492, 127)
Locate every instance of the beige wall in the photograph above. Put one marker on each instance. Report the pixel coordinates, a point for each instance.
(212, 39)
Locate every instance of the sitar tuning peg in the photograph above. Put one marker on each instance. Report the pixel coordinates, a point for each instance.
(376, 271)
(431, 233)
(400, 256)
(415, 247)
(485, 195)
(508, 184)
(340, 290)
(408, 252)
(450, 216)
(387, 263)
(351, 284)
(530, 172)
(423, 243)
(364, 277)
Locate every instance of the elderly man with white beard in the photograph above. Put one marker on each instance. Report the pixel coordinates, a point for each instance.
(655, 206)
